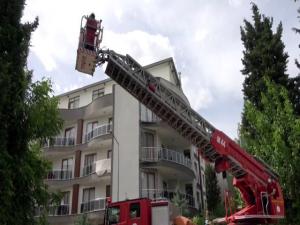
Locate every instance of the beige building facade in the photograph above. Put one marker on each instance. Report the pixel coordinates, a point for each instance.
(113, 146)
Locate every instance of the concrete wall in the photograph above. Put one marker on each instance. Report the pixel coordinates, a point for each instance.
(164, 71)
(126, 131)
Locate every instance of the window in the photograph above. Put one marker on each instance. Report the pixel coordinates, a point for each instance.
(69, 136)
(88, 195)
(70, 132)
(98, 93)
(113, 215)
(90, 129)
(110, 121)
(74, 102)
(196, 167)
(187, 153)
(66, 168)
(66, 198)
(109, 152)
(147, 115)
(89, 166)
(108, 191)
(148, 185)
(148, 139)
(134, 210)
(63, 208)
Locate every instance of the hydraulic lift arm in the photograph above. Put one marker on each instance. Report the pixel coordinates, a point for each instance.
(258, 184)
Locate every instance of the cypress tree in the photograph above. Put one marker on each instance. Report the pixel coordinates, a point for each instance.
(263, 56)
(212, 189)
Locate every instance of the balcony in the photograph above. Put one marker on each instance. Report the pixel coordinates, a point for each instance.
(93, 205)
(156, 194)
(60, 142)
(60, 210)
(100, 167)
(155, 154)
(59, 175)
(95, 109)
(168, 162)
(89, 169)
(98, 132)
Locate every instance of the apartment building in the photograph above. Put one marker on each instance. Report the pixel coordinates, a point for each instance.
(113, 146)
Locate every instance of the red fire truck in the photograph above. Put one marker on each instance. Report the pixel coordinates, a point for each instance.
(257, 183)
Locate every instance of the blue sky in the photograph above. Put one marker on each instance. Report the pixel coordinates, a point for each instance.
(203, 37)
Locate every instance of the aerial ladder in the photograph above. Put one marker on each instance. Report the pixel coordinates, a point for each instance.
(258, 184)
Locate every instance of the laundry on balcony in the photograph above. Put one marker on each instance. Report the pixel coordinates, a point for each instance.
(103, 166)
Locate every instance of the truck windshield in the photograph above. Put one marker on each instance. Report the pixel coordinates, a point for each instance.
(113, 215)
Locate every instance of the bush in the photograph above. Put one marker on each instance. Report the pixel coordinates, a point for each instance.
(198, 220)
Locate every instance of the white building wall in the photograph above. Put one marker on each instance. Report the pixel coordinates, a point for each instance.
(85, 95)
(125, 144)
(162, 70)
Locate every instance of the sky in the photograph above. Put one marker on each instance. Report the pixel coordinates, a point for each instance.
(202, 36)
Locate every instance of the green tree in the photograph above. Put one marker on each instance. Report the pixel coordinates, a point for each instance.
(212, 189)
(82, 220)
(294, 83)
(277, 141)
(28, 115)
(180, 201)
(263, 56)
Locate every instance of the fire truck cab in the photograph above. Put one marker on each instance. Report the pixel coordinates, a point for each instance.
(141, 211)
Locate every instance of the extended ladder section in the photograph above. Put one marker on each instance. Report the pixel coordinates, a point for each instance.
(166, 104)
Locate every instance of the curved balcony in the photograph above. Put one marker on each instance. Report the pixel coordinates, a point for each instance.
(100, 170)
(156, 194)
(59, 175)
(93, 205)
(99, 131)
(94, 109)
(60, 210)
(60, 142)
(60, 215)
(61, 146)
(169, 160)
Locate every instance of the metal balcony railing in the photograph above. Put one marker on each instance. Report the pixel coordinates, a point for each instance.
(149, 117)
(103, 165)
(59, 175)
(89, 169)
(156, 194)
(60, 142)
(98, 131)
(93, 205)
(155, 154)
(59, 210)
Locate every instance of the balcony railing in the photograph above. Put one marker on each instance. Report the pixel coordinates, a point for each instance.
(155, 154)
(60, 210)
(89, 169)
(93, 205)
(98, 131)
(60, 142)
(100, 167)
(156, 194)
(59, 175)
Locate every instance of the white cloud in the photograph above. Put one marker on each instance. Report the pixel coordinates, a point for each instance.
(144, 47)
(199, 97)
(202, 36)
(235, 3)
